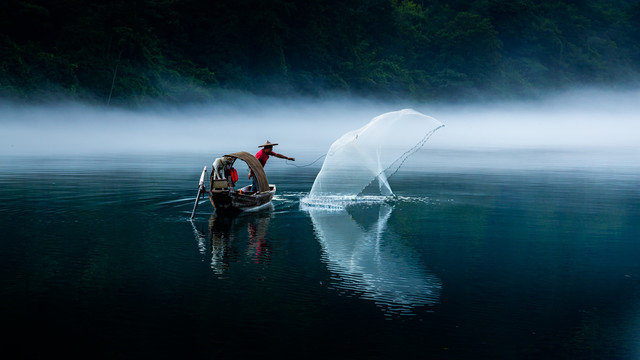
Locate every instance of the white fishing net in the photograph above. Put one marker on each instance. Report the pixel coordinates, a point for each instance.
(375, 151)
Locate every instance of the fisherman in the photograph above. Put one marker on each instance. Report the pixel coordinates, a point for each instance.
(263, 156)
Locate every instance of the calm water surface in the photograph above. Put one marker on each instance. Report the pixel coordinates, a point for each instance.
(98, 259)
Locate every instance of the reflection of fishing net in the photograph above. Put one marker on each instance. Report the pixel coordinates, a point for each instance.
(375, 151)
(371, 262)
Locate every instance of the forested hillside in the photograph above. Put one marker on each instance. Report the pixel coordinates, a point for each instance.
(131, 51)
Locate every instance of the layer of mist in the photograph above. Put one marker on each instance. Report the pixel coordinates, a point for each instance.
(603, 124)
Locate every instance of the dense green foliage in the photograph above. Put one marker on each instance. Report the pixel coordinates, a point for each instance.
(177, 50)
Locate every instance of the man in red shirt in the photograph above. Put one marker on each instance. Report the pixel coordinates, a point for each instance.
(263, 156)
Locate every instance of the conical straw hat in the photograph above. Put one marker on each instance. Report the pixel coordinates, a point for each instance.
(268, 143)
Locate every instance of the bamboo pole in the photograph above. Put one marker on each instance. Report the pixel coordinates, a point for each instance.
(201, 189)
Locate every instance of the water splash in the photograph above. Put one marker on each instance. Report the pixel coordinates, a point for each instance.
(340, 202)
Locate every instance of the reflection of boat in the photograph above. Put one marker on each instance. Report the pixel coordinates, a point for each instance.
(223, 195)
(371, 261)
(227, 233)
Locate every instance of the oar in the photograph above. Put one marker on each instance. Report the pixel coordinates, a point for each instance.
(200, 190)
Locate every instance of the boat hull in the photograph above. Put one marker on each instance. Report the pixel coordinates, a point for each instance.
(243, 199)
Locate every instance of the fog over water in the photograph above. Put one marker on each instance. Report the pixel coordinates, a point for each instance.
(513, 233)
(602, 126)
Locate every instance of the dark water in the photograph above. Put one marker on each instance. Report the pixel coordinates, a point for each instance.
(98, 259)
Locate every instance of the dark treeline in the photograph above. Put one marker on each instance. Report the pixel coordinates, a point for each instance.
(131, 51)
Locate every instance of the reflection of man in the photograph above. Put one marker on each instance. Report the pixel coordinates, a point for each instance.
(263, 156)
(258, 245)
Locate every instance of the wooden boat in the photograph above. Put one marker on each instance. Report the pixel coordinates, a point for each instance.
(226, 198)
(242, 199)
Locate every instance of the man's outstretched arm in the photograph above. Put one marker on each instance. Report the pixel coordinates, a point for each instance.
(284, 157)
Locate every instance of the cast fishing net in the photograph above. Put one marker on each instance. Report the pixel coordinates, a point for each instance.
(374, 152)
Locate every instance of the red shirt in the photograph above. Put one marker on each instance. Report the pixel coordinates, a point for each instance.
(263, 156)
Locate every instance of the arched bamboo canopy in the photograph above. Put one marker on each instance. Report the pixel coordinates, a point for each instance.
(256, 169)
